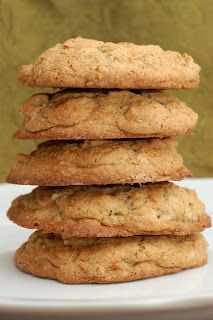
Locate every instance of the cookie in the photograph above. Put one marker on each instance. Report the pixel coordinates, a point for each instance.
(73, 115)
(109, 260)
(113, 211)
(85, 63)
(60, 163)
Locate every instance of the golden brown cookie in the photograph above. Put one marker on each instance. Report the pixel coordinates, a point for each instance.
(60, 163)
(113, 211)
(73, 115)
(109, 260)
(85, 63)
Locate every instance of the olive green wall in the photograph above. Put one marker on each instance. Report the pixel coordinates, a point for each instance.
(30, 26)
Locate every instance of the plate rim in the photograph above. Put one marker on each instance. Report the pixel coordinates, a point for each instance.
(161, 304)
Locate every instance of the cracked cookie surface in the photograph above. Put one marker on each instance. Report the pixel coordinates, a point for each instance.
(85, 63)
(109, 260)
(61, 163)
(103, 114)
(111, 211)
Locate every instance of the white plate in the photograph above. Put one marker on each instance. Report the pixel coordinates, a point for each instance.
(188, 294)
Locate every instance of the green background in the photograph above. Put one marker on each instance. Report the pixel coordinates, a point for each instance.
(30, 26)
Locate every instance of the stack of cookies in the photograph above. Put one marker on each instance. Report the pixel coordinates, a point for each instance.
(104, 208)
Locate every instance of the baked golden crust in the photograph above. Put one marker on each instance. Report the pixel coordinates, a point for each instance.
(85, 63)
(109, 260)
(113, 211)
(60, 163)
(73, 115)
